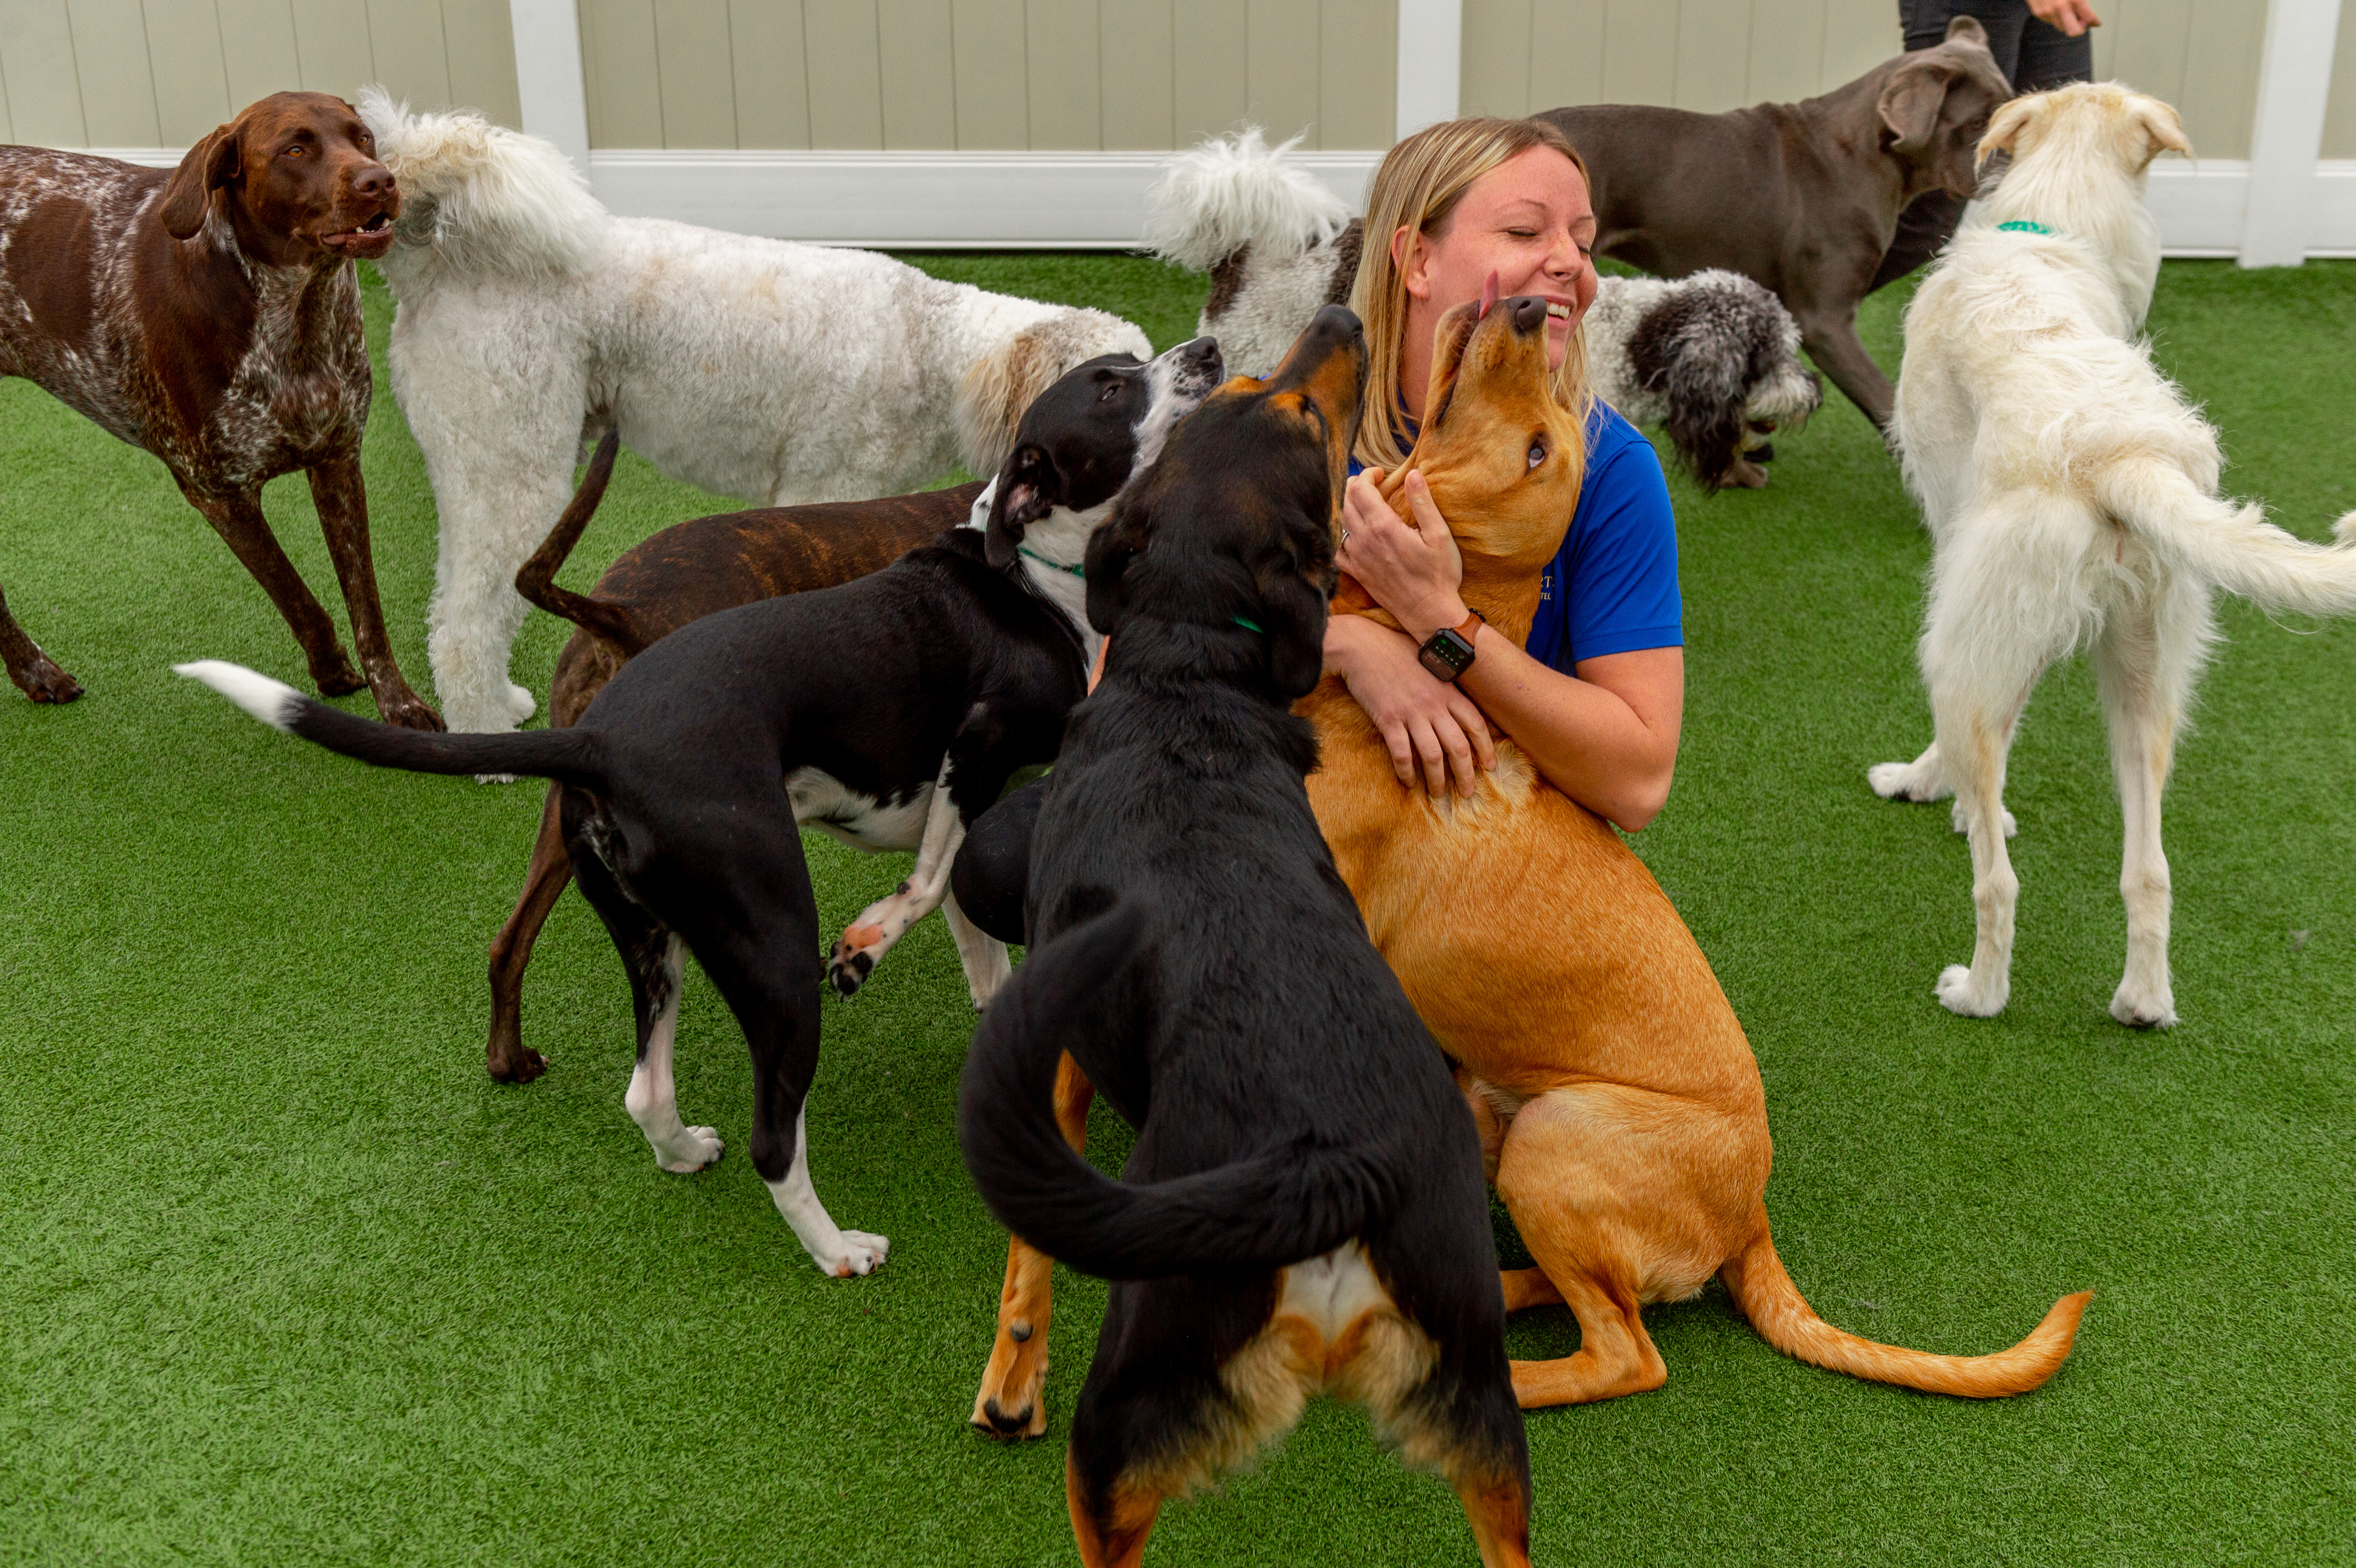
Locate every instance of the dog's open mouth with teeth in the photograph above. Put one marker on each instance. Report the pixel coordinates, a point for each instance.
(368, 241)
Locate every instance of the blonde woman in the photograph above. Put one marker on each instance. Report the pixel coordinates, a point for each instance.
(1597, 699)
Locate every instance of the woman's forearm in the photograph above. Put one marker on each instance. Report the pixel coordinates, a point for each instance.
(1607, 737)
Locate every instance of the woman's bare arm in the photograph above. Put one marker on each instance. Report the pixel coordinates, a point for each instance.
(1607, 737)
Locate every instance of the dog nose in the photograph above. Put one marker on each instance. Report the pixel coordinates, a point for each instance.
(1202, 350)
(375, 181)
(1529, 312)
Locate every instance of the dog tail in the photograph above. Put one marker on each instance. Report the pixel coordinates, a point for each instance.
(605, 619)
(486, 200)
(569, 756)
(1233, 193)
(1784, 1318)
(2233, 545)
(1257, 1213)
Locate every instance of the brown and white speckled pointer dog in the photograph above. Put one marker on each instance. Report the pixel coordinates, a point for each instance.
(211, 316)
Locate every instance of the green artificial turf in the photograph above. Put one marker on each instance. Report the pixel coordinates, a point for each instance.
(284, 1278)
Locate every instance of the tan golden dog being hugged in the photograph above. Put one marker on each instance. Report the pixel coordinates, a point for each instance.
(1622, 1115)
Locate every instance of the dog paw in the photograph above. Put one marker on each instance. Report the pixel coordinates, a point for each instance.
(519, 1066)
(854, 959)
(860, 1253)
(521, 703)
(2011, 826)
(1901, 782)
(43, 682)
(1012, 1403)
(1958, 994)
(2139, 1010)
(408, 711)
(694, 1149)
(335, 676)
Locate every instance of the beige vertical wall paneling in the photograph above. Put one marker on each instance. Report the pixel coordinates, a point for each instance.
(1640, 51)
(770, 74)
(1492, 73)
(2340, 120)
(1787, 52)
(405, 48)
(1060, 55)
(992, 75)
(1566, 50)
(1357, 85)
(1714, 53)
(113, 74)
(919, 71)
(2220, 85)
(1134, 44)
(846, 86)
(482, 63)
(36, 61)
(693, 80)
(257, 44)
(331, 43)
(617, 56)
(184, 64)
(1211, 76)
(1280, 62)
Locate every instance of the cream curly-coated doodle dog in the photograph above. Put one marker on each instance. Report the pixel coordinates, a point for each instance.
(532, 319)
(2072, 494)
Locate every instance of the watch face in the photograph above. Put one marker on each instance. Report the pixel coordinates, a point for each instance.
(1447, 655)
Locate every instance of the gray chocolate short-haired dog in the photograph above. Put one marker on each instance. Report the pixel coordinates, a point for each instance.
(1713, 357)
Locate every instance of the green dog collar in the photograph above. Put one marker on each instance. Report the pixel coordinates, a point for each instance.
(1248, 625)
(1081, 572)
(2023, 226)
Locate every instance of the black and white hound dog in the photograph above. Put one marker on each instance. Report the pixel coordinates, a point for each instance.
(889, 712)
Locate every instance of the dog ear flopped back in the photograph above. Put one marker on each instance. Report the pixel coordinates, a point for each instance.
(1110, 550)
(2163, 132)
(1910, 101)
(1028, 488)
(210, 165)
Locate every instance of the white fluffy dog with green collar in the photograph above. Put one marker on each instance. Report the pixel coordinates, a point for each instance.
(2070, 492)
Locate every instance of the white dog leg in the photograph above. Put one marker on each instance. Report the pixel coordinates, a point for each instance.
(2143, 720)
(839, 1253)
(1981, 990)
(882, 923)
(652, 1099)
(982, 955)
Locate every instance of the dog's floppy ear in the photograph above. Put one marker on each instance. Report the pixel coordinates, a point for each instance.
(1295, 585)
(1029, 488)
(210, 165)
(1448, 340)
(2163, 132)
(1111, 549)
(1967, 30)
(2003, 134)
(1911, 100)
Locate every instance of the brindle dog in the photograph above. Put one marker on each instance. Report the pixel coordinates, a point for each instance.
(211, 316)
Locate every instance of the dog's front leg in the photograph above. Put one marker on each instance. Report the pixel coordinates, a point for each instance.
(882, 923)
(1013, 1402)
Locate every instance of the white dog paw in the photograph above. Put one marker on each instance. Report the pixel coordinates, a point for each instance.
(1958, 994)
(1901, 782)
(860, 1253)
(521, 703)
(2139, 1011)
(695, 1149)
(2011, 826)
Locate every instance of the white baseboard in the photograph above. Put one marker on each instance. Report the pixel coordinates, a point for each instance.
(1071, 202)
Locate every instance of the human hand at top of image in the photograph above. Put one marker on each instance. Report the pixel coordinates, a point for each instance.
(2071, 16)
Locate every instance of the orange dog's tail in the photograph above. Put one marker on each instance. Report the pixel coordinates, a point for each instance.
(1775, 1307)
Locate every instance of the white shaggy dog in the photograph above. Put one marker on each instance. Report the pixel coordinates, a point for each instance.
(2071, 495)
(1714, 358)
(531, 320)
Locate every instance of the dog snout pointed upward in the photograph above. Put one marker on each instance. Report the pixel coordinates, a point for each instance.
(1527, 313)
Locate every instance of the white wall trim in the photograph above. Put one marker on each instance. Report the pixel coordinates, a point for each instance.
(551, 90)
(1431, 63)
(1071, 202)
(2287, 133)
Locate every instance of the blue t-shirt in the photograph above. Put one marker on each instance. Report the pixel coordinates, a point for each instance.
(1612, 587)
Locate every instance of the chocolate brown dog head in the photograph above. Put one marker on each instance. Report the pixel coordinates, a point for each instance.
(298, 178)
(1935, 105)
(1499, 453)
(1224, 549)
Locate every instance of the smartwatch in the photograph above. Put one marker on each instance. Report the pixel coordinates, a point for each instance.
(1450, 652)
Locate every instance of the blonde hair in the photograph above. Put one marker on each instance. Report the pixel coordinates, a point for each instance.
(1417, 189)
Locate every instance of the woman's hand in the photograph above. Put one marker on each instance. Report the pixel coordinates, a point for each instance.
(1424, 722)
(1414, 573)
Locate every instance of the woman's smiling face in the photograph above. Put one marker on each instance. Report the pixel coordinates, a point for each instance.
(1529, 222)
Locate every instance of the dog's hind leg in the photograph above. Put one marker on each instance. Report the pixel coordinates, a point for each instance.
(509, 1061)
(882, 923)
(980, 954)
(1013, 1400)
(2144, 664)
